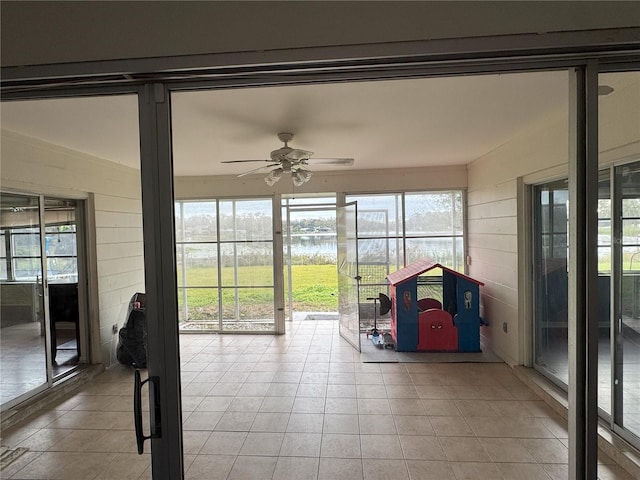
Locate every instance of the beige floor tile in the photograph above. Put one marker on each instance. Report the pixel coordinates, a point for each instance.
(346, 378)
(340, 469)
(474, 408)
(315, 390)
(287, 377)
(556, 471)
(380, 446)
(301, 445)
(342, 367)
(312, 376)
(262, 443)
(18, 464)
(526, 428)
(254, 389)
(376, 469)
(253, 468)
(225, 389)
(476, 471)
(401, 391)
(370, 391)
(235, 422)
(214, 404)
(434, 407)
(429, 470)
(341, 405)
(189, 404)
(277, 404)
(419, 447)
(44, 439)
(305, 423)
(427, 379)
(270, 422)
(125, 466)
(296, 468)
(488, 427)
(369, 379)
(522, 471)
(396, 378)
(341, 390)
(245, 404)
(546, 450)
(373, 406)
(340, 446)
(462, 392)
(377, 424)
(197, 389)
(193, 441)
(406, 406)
(556, 425)
(224, 443)
(413, 425)
(338, 423)
(308, 405)
(451, 426)
(201, 420)
(463, 449)
(506, 450)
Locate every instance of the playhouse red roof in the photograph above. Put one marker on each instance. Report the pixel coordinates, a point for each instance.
(420, 267)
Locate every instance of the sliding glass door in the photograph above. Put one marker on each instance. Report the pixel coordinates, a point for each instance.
(39, 308)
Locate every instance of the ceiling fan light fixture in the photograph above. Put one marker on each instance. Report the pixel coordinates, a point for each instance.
(300, 177)
(273, 177)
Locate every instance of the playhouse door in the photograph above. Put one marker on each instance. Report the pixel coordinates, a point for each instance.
(348, 276)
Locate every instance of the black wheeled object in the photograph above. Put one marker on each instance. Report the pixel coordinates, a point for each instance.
(378, 338)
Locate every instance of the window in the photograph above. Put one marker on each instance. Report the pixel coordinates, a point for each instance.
(224, 252)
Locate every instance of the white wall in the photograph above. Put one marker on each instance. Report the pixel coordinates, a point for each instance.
(30, 165)
(493, 226)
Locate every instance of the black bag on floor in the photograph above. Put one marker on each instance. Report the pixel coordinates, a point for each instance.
(132, 338)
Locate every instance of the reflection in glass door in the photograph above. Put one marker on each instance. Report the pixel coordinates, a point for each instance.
(627, 298)
(551, 280)
(23, 358)
(40, 340)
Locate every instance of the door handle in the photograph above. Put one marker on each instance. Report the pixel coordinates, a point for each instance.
(138, 383)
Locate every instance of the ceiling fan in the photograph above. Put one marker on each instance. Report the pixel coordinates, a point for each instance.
(293, 161)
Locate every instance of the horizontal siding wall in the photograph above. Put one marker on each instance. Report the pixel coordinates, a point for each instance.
(493, 227)
(30, 165)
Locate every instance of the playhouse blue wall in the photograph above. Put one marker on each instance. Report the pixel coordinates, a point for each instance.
(467, 319)
(407, 316)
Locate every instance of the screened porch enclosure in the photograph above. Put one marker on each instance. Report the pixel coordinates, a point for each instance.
(224, 255)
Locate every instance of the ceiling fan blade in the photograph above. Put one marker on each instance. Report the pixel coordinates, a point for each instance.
(244, 161)
(258, 169)
(346, 162)
(298, 154)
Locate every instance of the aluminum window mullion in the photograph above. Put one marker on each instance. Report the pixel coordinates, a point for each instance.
(219, 252)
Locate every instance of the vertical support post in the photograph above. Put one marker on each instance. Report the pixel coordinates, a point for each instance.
(160, 280)
(583, 273)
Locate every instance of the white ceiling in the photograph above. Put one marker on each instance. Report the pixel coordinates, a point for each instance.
(385, 124)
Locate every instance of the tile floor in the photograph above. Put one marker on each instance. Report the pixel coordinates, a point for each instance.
(303, 406)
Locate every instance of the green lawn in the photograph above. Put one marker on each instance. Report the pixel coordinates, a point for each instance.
(315, 288)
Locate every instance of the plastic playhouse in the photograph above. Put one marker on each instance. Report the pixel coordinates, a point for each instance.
(427, 324)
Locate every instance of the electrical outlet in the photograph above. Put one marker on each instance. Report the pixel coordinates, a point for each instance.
(114, 329)
(504, 327)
